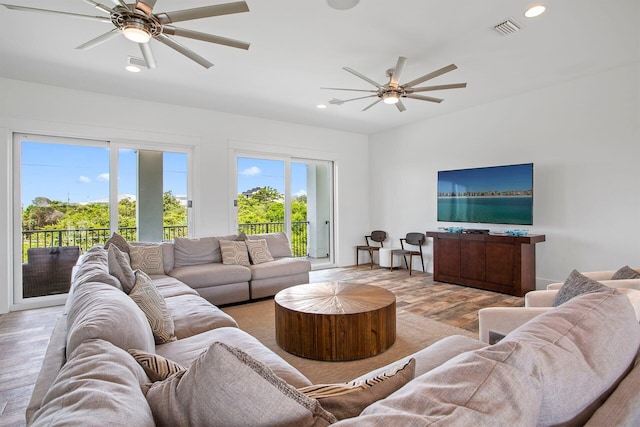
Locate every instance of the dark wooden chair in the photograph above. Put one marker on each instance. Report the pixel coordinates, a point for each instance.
(414, 239)
(374, 243)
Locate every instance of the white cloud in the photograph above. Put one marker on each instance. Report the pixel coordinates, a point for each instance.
(84, 179)
(301, 193)
(253, 170)
(103, 177)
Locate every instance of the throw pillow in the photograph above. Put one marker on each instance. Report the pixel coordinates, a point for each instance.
(120, 268)
(147, 258)
(577, 284)
(625, 272)
(234, 252)
(347, 400)
(118, 241)
(241, 237)
(154, 307)
(155, 366)
(258, 251)
(246, 392)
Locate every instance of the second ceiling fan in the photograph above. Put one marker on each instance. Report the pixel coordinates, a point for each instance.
(392, 91)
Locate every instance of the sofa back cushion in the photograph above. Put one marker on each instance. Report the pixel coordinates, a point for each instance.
(582, 349)
(93, 266)
(99, 384)
(204, 250)
(278, 243)
(100, 311)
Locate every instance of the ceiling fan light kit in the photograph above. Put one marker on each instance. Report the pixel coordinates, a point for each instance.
(138, 23)
(391, 92)
(343, 4)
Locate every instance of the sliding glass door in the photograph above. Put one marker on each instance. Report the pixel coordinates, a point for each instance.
(290, 195)
(65, 201)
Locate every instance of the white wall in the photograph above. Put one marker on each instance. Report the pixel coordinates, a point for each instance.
(584, 140)
(34, 108)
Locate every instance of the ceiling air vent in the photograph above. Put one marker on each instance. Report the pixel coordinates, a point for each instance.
(507, 27)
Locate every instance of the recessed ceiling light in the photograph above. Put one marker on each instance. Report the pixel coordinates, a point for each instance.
(535, 10)
(321, 106)
(343, 4)
(134, 64)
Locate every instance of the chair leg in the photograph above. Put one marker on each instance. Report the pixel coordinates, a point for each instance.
(422, 259)
(410, 265)
(357, 255)
(371, 257)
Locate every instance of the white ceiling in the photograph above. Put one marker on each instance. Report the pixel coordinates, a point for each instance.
(299, 46)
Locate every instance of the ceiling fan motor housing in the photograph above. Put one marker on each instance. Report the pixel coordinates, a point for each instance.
(124, 18)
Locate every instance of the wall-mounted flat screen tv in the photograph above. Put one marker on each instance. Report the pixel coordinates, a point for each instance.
(492, 195)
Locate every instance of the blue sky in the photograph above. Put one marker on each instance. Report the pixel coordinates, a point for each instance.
(270, 173)
(81, 173)
(498, 178)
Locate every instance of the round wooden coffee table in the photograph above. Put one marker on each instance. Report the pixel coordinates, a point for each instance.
(335, 320)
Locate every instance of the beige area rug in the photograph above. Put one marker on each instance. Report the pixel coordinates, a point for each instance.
(413, 332)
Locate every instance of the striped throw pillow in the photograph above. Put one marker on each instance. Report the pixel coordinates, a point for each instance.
(155, 366)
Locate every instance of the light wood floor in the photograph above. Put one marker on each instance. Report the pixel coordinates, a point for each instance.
(24, 335)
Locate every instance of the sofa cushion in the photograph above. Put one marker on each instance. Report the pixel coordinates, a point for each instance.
(279, 268)
(278, 243)
(234, 252)
(147, 258)
(145, 294)
(186, 350)
(246, 393)
(99, 384)
(577, 284)
(477, 388)
(258, 251)
(193, 251)
(346, 400)
(625, 272)
(192, 315)
(155, 366)
(93, 266)
(102, 311)
(120, 268)
(586, 344)
(206, 275)
(170, 286)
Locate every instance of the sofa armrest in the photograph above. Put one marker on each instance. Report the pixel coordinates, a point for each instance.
(540, 298)
(505, 319)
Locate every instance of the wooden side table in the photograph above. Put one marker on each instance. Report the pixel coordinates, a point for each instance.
(335, 320)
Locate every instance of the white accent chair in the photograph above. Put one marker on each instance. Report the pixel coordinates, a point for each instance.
(503, 320)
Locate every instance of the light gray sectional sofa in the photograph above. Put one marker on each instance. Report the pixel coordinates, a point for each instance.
(199, 264)
(576, 364)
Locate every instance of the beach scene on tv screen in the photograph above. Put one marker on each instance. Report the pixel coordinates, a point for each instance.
(492, 195)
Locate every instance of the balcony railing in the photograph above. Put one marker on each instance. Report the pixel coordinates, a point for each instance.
(299, 232)
(88, 237)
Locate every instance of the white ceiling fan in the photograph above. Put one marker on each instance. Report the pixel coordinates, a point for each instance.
(138, 24)
(392, 91)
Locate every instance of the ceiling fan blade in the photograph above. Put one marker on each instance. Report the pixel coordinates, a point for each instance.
(395, 77)
(147, 54)
(354, 90)
(120, 3)
(145, 6)
(99, 6)
(360, 97)
(425, 98)
(430, 76)
(56, 12)
(400, 106)
(100, 39)
(173, 31)
(163, 38)
(440, 87)
(202, 12)
(363, 77)
(371, 105)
